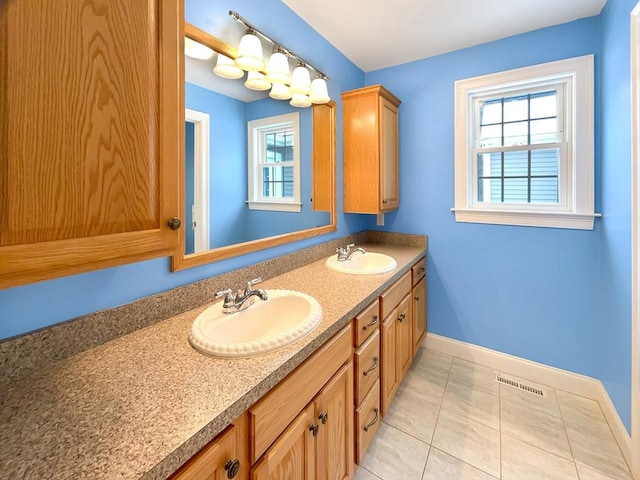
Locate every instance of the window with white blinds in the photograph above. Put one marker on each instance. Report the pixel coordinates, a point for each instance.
(524, 146)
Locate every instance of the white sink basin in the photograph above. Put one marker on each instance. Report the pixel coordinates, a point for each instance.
(368, 263)
(285, 317)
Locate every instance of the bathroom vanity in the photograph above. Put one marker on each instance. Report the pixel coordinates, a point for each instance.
(142, 405)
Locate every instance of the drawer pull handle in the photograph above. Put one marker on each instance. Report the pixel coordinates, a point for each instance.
(402, 317)
(373, 322)
(420, 270)
(373, 366)
(372, 422)
(313, 428)
(232, 467)
(323, 417)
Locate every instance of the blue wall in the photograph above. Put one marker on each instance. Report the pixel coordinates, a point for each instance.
(27, 308)
(536, 293)
(615, 153)
(228, 163)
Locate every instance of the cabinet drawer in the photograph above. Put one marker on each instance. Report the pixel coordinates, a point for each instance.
(367, 366)
(391, 298)
(419, 270)
(271, 415)
(367, 421)
(366, 322)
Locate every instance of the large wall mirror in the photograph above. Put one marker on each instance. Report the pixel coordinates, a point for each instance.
(220, 218)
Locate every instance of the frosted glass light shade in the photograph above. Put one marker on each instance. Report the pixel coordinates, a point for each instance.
(278, 68)
(197, 50)
(226, 68)
(250, 53)
(300, 80)
(256, 81)
(300, 100)
(280, 91)
(319, 92)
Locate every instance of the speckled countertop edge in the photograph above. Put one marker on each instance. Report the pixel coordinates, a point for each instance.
(141, 405)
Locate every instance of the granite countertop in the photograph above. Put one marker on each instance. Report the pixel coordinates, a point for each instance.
(141, 405)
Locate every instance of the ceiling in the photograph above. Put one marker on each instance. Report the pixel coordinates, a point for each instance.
(376, 34)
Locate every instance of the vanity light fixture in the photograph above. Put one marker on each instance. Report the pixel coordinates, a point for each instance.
(197, 50)
(250, 52)
(297, 87)
(226, 68)
(256, 81)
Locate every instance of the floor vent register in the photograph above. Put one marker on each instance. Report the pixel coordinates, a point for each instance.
(520, 386)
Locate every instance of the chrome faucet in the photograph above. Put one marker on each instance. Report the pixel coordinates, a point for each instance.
(344, 254)
(235, 303)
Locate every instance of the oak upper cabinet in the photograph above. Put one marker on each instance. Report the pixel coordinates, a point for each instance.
(419, 292)
(92, 110)
(226, 457)
(370, 160)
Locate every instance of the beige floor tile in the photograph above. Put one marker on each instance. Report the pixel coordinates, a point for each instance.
(442, 466)
(594, 446)
(475, 375)
(473, 403)
(471, 442)
(394, 453)
(362, 474)
(431, 390)
(547, 404)
(412, 413)
(534, 427)
(432, 366)
(579, 410)
(586, 473)
(521, 461)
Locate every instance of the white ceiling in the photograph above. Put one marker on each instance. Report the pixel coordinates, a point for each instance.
(375, 34)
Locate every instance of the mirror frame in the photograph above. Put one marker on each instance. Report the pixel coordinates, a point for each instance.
(323, 158)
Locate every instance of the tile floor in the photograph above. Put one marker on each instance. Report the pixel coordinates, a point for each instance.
(451, 420)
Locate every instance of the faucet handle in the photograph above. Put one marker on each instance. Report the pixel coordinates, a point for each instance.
(349, 245)
(227, 294)
(251, 283)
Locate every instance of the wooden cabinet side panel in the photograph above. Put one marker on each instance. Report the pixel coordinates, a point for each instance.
(419, 320)
(361, 153)
(389, 381)
(323, 175)
(292, 456)
(334, 453)
(404, 344)
(389, 159)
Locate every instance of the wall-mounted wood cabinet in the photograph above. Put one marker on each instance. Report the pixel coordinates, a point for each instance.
(370, 141)
(90, 144)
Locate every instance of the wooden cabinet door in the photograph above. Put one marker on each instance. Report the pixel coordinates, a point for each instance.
(334, 415)
(215, 461)
(419, 314)
(389, 378)
(292, 456)
(404, 345)
(92, 110)
(389, 190)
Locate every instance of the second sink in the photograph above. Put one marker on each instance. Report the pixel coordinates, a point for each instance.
(368, 263)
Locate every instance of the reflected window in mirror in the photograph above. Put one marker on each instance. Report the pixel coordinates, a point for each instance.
(274, 163)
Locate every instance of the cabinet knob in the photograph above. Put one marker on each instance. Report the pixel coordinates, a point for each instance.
(384, 202)
(313, 428)
(232, 467)
(373, 322)
(417, 298)
(402, 317)
(323, 417)
(174, 223)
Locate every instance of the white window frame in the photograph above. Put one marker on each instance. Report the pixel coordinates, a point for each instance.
(257, 129)
(575, 207)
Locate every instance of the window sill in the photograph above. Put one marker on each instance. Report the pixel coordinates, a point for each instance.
(579, 221)
(275, 206)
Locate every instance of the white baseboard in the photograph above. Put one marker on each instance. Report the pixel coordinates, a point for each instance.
(539, 373)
